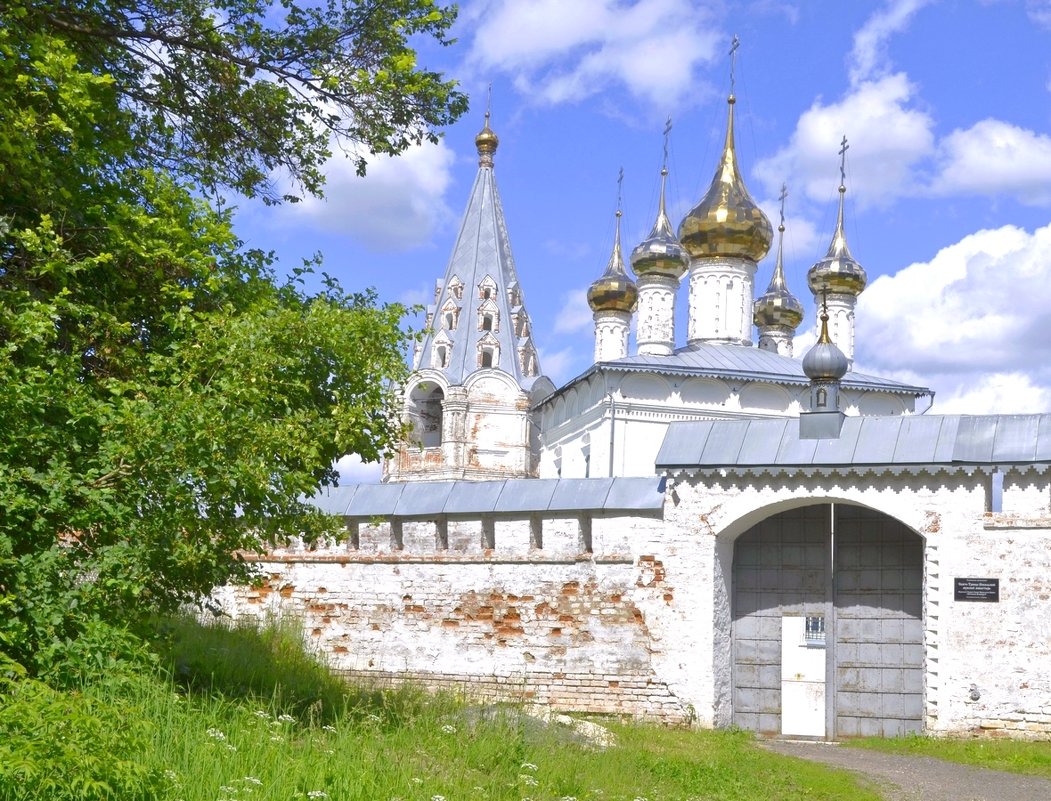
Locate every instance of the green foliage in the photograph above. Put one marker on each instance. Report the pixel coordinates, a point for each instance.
(165, 401)
(66, 745)
(1030, 757)
(242, 734)
(228, 92)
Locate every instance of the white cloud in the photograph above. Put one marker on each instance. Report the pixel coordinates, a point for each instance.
(1039, 11)
(396, 206)
(887, 140)
(575, 314)
(994, 157)
(998, 393)
(972, 321)
(562, 365)
(353, 471)
(868, 59)
(560, 52)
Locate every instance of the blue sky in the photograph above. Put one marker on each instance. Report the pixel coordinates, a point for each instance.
(947, 107)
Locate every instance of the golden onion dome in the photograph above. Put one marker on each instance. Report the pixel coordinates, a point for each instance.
(487, 142)
(727, 222)
(825, 361)
(660, 253)
(614, 290)
(838, 272)
(777, 306)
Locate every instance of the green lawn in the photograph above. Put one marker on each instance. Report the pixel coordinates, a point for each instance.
(245, 716)
(1015, 756)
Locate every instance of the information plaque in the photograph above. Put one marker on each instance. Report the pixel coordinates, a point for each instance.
(977, 589)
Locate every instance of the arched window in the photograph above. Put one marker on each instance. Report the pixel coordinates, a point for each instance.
(441, 356)
(487, 322)
(425, 412)
(487, 357)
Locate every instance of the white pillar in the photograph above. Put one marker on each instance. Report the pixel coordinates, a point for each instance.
(776, 339)
(721, 298)
(611, 335)
(655, 332)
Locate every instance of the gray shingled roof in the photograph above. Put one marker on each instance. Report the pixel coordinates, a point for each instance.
(905, 441)
(429, 499)
(739, 362)
(482, 249)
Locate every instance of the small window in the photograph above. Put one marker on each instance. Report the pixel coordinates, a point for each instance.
(822, 398)
(441, 356)
(487, 322)
(450, 321)
(486, 358)
(814, 631)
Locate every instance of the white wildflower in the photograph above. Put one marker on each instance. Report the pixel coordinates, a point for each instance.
(528, 766)
(326, 727)
(416, 780)
(262, 713)
(171, 775)
(253, 780)
(215, 734)
(437, 798)
(448, 728)
(287, 719)
(317, 794)
(527, 780)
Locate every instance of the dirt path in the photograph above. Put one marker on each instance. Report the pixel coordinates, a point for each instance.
(910, 778)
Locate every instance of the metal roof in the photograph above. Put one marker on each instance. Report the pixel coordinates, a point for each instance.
(513, 496)
(482, 250)
(740, 362)
(864, 441)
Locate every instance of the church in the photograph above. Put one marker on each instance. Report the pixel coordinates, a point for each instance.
(715, 532)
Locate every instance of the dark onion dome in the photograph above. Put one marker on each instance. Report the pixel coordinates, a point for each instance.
(777, 306)
(487, 142)
(824, 361)
(660, 253)
(614, 290)
(838, 272)
(727, 222)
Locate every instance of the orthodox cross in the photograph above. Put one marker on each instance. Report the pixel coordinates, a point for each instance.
(781, 197)
(667, 133)
(733, 60)
(844, 147)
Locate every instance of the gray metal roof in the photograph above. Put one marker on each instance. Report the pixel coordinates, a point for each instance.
(739, 362)
(482, 249)
(864, 441)
(513, 496)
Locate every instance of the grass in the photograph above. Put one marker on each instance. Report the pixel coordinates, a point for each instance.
(246, 716)
(1029, 757)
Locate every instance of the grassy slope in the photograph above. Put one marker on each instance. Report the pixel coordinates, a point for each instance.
(1015, 756)
(247, 716)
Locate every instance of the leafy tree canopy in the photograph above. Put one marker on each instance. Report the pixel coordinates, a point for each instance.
(165, 400)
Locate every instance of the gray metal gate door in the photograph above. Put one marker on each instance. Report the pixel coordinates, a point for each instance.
(878, 578)
(780, 567)
(871, 600)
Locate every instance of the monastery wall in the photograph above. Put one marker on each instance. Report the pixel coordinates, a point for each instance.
(476, 606)
(631, 614)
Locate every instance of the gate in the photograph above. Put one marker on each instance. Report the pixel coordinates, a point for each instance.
(827, 625)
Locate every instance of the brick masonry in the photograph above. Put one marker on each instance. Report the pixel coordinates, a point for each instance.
(639, 624)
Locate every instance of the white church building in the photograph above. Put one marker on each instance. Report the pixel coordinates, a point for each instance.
(714, 531)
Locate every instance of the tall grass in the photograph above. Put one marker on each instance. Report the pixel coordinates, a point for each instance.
(245, 716)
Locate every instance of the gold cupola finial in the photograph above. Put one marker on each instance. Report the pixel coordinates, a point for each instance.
(778, 306)
(487, 141)
(614, 290)
(838, 272)
(727, 222)
(661, 253)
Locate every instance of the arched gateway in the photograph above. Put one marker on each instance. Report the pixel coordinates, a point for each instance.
(827, 624)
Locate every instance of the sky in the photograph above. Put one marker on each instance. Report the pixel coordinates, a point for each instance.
(946, 105)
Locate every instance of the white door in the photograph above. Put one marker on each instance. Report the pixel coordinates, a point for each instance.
(803, 675)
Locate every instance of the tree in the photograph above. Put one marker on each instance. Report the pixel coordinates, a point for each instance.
(230, 91)
(166, 402)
